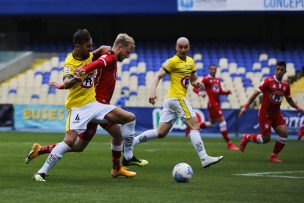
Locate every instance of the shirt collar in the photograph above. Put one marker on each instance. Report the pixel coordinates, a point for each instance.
(275, 78)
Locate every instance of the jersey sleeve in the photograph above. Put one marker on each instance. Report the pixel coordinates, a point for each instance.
(263, 85)
(205, 81)
(68, 70)
(102, 62)
(168, 65)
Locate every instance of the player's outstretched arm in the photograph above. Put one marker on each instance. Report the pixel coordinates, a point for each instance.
(293, 104)
(250, 100)
(102, 62)
(57, 85)
(195, 81)
(71, 80)
(224, 92)
(153, 98)
(198, 92)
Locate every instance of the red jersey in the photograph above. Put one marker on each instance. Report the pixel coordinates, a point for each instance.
(273, 93)
(213, 89)
(105, 79)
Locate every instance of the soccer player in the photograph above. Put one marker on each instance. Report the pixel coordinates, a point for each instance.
(273, 89)
(82, 105)
(181, 70)
(214, 90)
(301, 132)
(104, 87)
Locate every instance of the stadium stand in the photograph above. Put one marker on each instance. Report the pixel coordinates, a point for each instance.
(241, 68)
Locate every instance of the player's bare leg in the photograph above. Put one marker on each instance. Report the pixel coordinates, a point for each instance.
(204, 124)
(279, 144)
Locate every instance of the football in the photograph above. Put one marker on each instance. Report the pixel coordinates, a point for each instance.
(182, 172)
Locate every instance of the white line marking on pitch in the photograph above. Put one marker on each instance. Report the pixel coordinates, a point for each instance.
(274, 174)
(151, 150)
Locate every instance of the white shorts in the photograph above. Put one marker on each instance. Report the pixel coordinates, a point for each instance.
(78, 118)
(173, 108)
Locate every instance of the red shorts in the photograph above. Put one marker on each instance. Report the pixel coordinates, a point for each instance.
(215, 112)
(91, 130)
(266, 122)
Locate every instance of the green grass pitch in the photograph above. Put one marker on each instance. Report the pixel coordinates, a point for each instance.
(85, 177)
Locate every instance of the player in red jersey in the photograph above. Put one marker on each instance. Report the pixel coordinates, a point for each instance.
(214, 90)
(105, 83)
(273, 89)
(301, 132)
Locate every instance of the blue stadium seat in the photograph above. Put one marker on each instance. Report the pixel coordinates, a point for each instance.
(166, 78)
(46, 78)
(125, 67)
(38, 73)
(52, 90)
(12, 91)
(125, 88)
(133, 93)
(223, 98)
(133, 74)
(35, 96)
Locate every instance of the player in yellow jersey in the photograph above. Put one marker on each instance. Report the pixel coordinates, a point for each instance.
(82, 105)
(182, 72)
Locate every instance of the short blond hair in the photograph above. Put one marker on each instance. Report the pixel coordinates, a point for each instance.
(125, 40)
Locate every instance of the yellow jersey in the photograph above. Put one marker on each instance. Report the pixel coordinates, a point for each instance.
(179, 72)
(81, 93)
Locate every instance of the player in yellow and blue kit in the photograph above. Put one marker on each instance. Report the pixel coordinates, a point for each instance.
(182, 72)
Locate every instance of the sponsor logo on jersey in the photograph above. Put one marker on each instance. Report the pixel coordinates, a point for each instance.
(266, 126)
(185, 81)
(216, 88)
(166, 63)
(276, 97)
(67, 69)
(88, 81)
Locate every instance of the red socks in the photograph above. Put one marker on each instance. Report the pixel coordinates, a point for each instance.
(226, 136)
(46, 149)
(256, 138)
(278, 146)
(116, 159)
